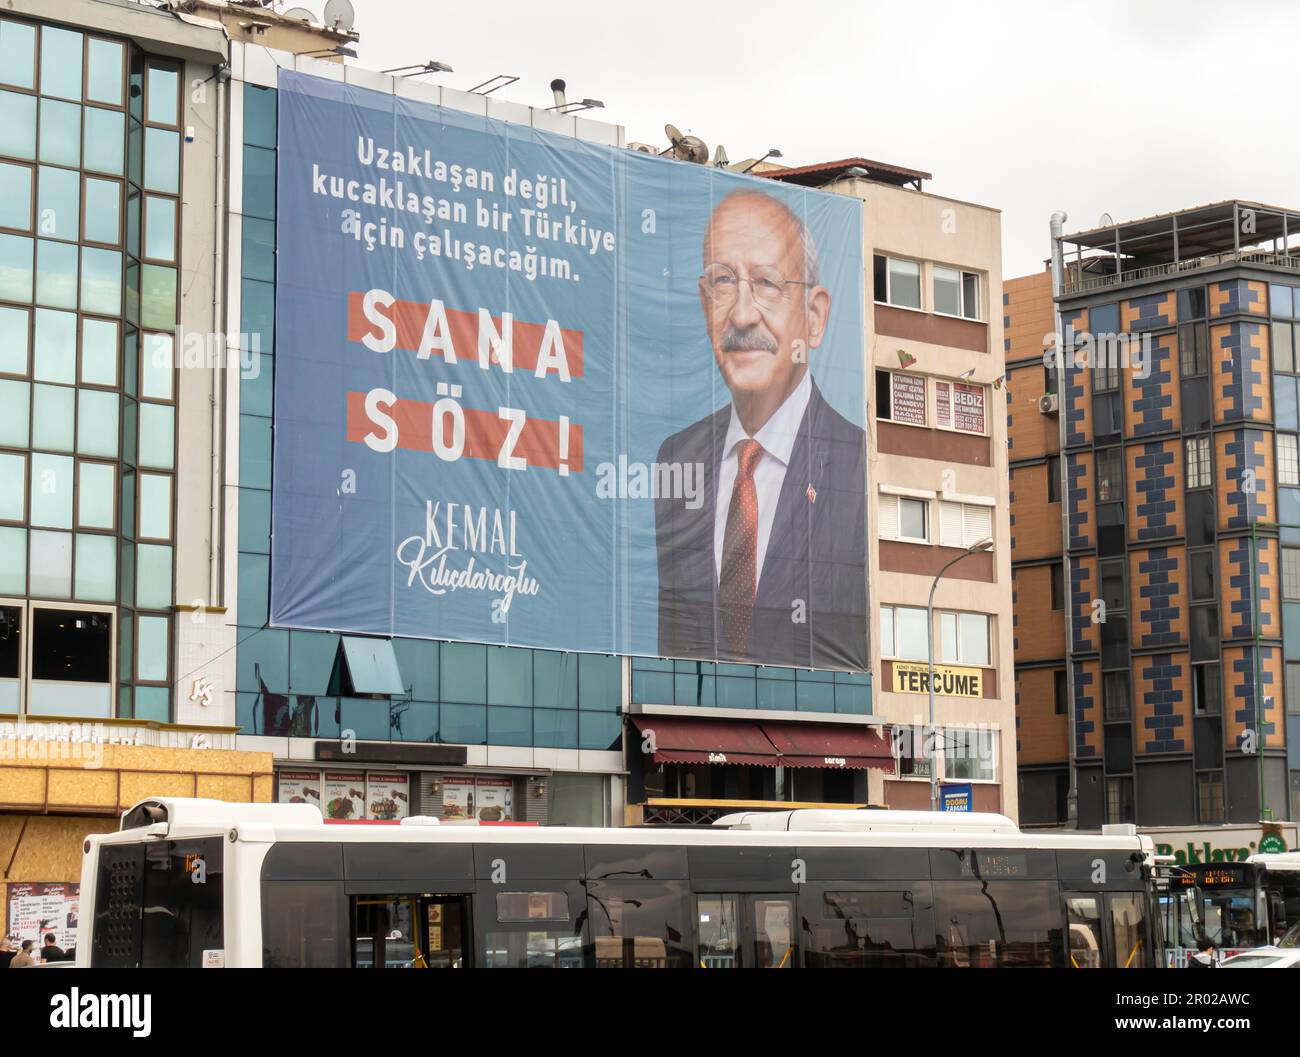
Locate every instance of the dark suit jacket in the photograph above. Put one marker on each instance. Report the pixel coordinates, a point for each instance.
(816, 554)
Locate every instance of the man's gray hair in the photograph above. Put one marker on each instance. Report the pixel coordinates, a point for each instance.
(811, 261)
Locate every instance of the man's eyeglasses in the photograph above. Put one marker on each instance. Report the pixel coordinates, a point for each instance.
(769, 286)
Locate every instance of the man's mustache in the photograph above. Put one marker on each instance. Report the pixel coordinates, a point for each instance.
(743, 339)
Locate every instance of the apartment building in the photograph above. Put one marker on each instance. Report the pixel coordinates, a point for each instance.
(1175, 700)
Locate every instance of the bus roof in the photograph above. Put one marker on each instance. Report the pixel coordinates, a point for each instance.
(1285, 861)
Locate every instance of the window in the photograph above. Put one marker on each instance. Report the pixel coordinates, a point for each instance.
(897, 282)
(1209, 795)
(1293, 688)
(1053, 478)
(956, 293)
(1114, 686)
(964, 524)
(1105, 376)
(1196, 451)
(1057, 575)
(901, 397)
(1113, 593)
(964, 638)
(1119, 799)
(903, 633)
(1288, 461)
(1284, 349)
(904, 518)
(959, 406)
(1202, 575)
(1207, 694)
(915, 747)
(1049, 378)
(968, 755)
(1110, 475)
(1191, 303)
(1061, 692)
(71, 672)
(1193, 358)
(1291, 573)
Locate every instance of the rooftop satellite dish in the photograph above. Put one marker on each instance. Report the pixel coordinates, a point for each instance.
(1106, 221)
(300, 14)
(340, 14)
(687, 148)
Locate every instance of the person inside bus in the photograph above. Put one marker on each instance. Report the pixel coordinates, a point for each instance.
(1204, 956)
(23, 958)
(52, 952)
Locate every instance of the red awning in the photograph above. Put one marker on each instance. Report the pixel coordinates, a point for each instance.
(830, 745)
(683, 740)
(707, 741)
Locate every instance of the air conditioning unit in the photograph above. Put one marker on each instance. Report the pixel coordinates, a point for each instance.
(643, 148)
(1048, 404)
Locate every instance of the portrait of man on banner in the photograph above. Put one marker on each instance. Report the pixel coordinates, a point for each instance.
(769, 568)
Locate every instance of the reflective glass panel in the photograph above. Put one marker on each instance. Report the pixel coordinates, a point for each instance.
(151, 661)
(53, 416)
(58, 203)
(60, 132)
(13, 561)
(156, 509)
(96, 568)
(56, 347)
(15, 267)
(105, 142)
(96, 494)
(162, 160)
(97, 422)
(161, 95)
(104, 71)
(99, 351)
(51, 564)
(153, 576)
(157, 436)
(101, 281)
(60, 62)
(13, 480)
(160, 228)
(51, 491)
(14, 324)
(15, 196)
(56, 274)
(156, 366)
(15, 409)
(103, 211)
(18, 129)
(17, 54)
(157, 297)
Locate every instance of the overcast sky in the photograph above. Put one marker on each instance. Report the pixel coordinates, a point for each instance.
(1130, 107)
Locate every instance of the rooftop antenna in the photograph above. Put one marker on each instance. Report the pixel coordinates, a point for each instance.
(686, 148)
(340, 14)
(1106, 221)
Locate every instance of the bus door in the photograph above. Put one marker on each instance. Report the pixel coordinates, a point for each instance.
(410, 931)
(1107, 930)
(746, 931)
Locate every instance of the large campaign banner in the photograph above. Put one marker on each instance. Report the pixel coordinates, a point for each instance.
(538, 391)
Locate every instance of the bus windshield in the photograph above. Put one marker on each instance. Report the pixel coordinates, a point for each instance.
(1292, 939)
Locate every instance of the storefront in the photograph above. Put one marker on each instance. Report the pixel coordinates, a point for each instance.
(61, 780)
(1190, 845)
(692, 770)
(384, 783)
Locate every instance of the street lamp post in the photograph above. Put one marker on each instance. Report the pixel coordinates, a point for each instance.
(978, 547)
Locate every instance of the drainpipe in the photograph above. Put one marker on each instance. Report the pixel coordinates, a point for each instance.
(216, 410)
(1058, 288)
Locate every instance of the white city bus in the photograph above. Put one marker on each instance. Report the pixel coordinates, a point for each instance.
(200, 882)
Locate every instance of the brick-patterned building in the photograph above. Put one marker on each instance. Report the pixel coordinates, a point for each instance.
(1181, 675)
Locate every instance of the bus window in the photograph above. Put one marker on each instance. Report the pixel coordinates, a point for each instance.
(719, 925)
(1083, 916)
(639, 925)
(182, 910)
(304, 925)
(533, 929)
(998, 923)
(867, 929)
(1128, 922)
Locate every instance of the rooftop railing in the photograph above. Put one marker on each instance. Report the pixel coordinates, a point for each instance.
(1076, 285)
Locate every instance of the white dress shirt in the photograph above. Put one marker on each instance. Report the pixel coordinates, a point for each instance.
(777, 437)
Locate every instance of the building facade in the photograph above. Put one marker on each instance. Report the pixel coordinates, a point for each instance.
(1179, 483)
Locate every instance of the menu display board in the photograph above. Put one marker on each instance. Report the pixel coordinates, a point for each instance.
(388, 796)
(495, 799)
(37, 909)
(907, 399)
(299, 787)
(458, 797)
(345, 795)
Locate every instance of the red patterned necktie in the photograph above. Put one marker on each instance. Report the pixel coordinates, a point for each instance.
(738, 581)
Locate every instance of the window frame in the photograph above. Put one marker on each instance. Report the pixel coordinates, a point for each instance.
(946, 739)
(1115, 493)
(961, 274)
(897, 499)
(889, 284)
(1292, 461)
(1198, 451)
(894, 653)
(30, 606)
(959, 659)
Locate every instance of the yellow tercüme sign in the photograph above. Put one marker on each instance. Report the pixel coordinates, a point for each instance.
(948, 681)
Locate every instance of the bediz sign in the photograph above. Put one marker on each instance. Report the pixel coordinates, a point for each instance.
(948, 681)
